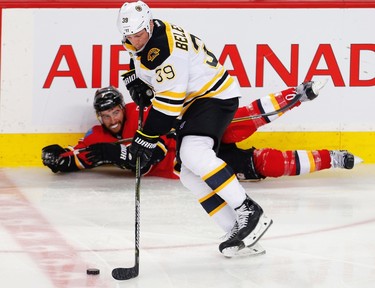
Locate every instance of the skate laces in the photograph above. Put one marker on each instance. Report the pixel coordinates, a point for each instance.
(231, 234)
(243, 213)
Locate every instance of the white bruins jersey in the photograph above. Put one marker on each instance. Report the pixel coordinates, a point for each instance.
(180, 69)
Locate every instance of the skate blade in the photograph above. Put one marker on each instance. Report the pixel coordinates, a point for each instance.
(230, 251)
(255, 250)
(357, 160)
(318, 85)
(261, 228)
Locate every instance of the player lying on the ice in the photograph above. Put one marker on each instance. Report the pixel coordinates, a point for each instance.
(106, 143)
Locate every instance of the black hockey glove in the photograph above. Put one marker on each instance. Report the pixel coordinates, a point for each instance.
(108, 153)
(158, 155)
(51, 157)
(140, 92)
(142, 146)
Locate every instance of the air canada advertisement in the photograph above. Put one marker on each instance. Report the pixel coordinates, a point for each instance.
(53, 60)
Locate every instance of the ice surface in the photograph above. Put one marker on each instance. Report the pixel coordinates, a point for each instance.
(55, 226)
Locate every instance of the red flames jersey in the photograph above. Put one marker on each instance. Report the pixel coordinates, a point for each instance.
(98, 134)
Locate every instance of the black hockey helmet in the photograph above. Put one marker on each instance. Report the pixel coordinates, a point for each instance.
(107, 98)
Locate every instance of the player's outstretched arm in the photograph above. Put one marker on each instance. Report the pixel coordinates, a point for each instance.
(108, 153)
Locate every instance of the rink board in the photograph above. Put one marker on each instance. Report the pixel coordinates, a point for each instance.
(49, 76)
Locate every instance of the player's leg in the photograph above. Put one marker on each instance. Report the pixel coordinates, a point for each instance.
(222, 214)
(197, 156)
(275, 163)
(215, 206)
(198, 137)
(243, 127)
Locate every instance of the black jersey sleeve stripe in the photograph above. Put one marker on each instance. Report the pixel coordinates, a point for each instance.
(169, 101)
(217, 85)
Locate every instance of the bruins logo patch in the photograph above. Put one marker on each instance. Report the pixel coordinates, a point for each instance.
(152, 54)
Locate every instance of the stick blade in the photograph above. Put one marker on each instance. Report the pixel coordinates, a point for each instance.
(125, 273)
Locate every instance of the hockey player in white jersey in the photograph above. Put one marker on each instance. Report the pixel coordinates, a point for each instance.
(175, 72)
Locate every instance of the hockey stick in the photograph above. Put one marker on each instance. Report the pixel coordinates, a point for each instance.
(132, 272)
(282, 109)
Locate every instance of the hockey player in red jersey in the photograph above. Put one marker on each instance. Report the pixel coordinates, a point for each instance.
(119, 121)
(101, 144)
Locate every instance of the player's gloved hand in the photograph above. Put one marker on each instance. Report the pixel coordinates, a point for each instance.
(51, 157)
(158, 155)
(108, 153)
(140, 92)
(142, 146)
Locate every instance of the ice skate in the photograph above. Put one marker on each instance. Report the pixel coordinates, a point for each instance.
(343, 159)
(310, 90)
(231, 245)
(255, 250)
(252, 223)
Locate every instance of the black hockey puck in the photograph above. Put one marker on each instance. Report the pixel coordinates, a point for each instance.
(92, 271)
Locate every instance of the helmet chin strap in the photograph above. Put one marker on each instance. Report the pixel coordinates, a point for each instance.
(99, 118)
